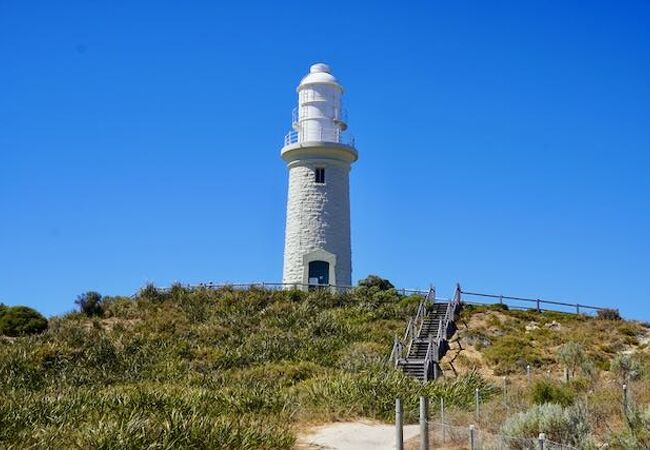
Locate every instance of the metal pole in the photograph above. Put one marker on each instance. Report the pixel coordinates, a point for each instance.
(477, 396)
(399, 432)
(442, 418)
(625, 399)
(424, 423)
(566, 374)
(528, 373)
(542, 439)
(472, 438)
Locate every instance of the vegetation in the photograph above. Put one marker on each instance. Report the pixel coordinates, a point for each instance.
(374, 281)
(20, 321)
(564, 425)
(204, 368)
(586, 411)
(228, 368)
(90, 303)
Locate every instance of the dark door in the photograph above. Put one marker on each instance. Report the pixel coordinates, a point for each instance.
(319, 270)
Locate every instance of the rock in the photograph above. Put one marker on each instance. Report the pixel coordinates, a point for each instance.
(555, 326)
(532, 326)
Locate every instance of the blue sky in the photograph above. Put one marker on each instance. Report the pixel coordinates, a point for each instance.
(504, 145)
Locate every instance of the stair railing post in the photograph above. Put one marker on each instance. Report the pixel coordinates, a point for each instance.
(424, 423)
(399, 432)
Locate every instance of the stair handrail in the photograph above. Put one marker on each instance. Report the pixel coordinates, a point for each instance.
(444, 321)
(428, 358)
(428, 299)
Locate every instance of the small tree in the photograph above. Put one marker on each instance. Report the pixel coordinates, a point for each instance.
(375, 281)
(627, 367)
(573, 356)
(21, 321)
(90, 303)
(608, 314)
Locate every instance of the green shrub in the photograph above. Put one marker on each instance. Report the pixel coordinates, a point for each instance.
(566, 426)
(511, 353)
(21, 321)
(377, 282)
(627, 367)
(90, 303)
(608, 314)
(573, 356)
(545, 391)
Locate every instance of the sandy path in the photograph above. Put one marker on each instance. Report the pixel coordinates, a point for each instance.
(354, 436)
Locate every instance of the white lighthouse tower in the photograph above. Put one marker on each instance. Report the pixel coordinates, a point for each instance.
(317, 247)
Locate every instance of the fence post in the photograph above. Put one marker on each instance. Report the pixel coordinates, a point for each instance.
(424, 423)
(625, 399)
(399, 432)
(505, 391)
(577, 308)
(472, 438)
(528, 373)
(477, 396)
(566, 374)
(539, 309)
(442, 418)
(541, 440)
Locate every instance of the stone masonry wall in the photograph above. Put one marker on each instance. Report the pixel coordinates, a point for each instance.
(318, 217)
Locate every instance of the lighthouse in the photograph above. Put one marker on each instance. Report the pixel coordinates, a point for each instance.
(319, 155)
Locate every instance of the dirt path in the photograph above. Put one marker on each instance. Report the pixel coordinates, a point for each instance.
(353, 436)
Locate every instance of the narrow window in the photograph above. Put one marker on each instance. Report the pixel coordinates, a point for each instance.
(320, 175)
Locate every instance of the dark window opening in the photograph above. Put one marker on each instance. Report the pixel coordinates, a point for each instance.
(320, 175)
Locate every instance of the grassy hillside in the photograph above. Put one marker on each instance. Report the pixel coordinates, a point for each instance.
(599, 355)
(200, 368)
(206, 368)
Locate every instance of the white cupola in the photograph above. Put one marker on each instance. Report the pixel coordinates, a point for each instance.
(319, 116)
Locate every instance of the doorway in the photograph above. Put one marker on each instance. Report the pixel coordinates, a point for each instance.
(319, 273)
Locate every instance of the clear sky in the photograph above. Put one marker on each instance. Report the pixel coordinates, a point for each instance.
(504, 145)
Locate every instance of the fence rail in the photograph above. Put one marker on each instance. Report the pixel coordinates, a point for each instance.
(466, 297)
(538, 304)
(281, 286)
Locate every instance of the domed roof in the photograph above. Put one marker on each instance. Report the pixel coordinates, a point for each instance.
(319, 74)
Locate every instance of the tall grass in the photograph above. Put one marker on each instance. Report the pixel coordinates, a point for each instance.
(200, 368)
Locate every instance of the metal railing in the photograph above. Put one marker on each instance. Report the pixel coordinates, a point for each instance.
(531, 303)
(334, 135)
(413, 328)
(281, 286)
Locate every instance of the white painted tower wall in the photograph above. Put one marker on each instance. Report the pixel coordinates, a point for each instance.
(318, 214)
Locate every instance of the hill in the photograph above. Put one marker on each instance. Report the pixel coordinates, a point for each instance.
(226, 368)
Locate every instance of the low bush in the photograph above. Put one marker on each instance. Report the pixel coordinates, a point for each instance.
(21, 321)
(565, 425)
(608, 314)
(545, 391)
(377, 282)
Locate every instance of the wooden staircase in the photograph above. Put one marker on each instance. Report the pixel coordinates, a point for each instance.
(425, 341)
